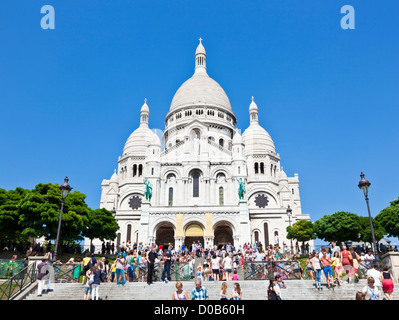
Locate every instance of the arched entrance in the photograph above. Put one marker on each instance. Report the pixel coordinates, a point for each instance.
(165, 235)
(223, 235)
(194, 233)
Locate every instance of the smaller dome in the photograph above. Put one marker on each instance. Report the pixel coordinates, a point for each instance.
(257, 140)
(138, 141)
(156, 141)
(237, 138)
(114, 177)
(282, 176)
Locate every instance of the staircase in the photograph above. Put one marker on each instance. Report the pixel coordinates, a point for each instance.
(252, 290)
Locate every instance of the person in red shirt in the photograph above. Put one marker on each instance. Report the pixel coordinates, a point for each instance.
(326, 260)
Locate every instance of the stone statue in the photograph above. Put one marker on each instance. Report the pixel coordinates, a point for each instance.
(148, 190)
(241, 188)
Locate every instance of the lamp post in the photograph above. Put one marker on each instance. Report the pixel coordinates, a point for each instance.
(364, 184)
(65, 189)
(289, 213)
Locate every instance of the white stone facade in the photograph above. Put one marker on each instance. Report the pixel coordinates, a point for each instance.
(194, 174)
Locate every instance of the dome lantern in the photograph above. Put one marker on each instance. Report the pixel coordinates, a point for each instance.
(144, 113)
(200, 58)
(253, 111)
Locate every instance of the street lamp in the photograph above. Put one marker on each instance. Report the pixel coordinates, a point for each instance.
(65, 189)
(289, 213)
(364, 184)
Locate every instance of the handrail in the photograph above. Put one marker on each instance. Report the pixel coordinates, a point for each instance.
(18, 282)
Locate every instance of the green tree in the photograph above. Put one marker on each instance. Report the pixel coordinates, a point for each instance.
(40, 212)
(301, 230)
(365, 232)
(389, 218)
(9, 216)
(339, 227)
(101, 225)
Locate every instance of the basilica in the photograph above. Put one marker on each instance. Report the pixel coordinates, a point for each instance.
(195, 171)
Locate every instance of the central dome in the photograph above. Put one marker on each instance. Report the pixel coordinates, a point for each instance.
(200, 89)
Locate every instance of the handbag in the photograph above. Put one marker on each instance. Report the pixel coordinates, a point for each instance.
(350, 257)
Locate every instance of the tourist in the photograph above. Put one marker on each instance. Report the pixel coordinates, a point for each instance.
(281, 285)
(119, 269)
(199, 273)
(346, 264)
(199, 292)
(371, 290)
(179, 294)
(215, 267)
(223, 290)
(334, 248)
(151, 256)
(167, 259)
(309, 267)
(112, 272)
(86, 266)
(237, 293)
(43, 277)
(272, 290)
(130, 265)
(387, 283)
(360, 295)
(355, 262)
(297, 269)
(207, 269)
(95, 287)
(227, 265)
(235, 275)
(77, 271)
(317, 268)
(326, 261)
(375, 274)
(337, 265)
(88, 289)
(142, 266)
(368, 259)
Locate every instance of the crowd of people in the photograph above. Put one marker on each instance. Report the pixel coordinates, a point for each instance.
(151, 263)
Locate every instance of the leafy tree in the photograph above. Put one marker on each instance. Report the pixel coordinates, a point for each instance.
(101, 225)
(339, 227)
(389, 218)
(301, 230)
(40, 212)
(365, 232)
(9, 216)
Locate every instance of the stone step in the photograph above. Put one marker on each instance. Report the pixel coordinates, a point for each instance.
(252, 290)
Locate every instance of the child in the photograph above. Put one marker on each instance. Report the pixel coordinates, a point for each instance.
(235, 275)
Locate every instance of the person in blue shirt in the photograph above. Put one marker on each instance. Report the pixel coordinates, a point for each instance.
(199, 292)
(95, 287)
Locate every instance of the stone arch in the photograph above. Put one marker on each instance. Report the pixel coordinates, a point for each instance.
(164, 231)
(168, 171)
(193, 231)
(224, 232)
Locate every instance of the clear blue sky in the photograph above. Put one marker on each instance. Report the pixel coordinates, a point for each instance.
(70, 97)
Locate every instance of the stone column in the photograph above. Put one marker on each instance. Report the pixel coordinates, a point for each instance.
(144, 222)
(179, 232)
(245, 229)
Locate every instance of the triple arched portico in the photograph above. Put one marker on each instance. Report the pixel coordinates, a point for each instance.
(206, 229)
